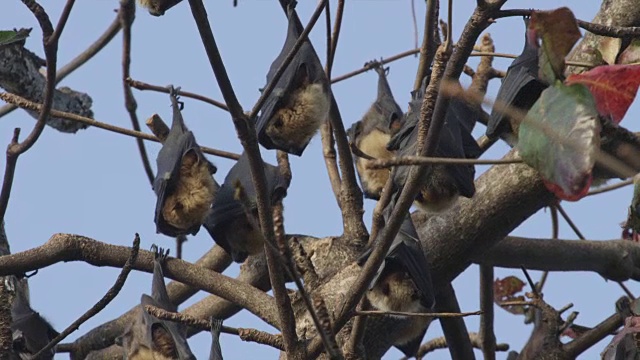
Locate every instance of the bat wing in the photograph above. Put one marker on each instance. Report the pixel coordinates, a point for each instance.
(225, 207)
(521, 87)
(216, 351)
(451, 145)
(176, 331)
(33, 333)
(305, 62)
(407, 251)
(179, 142)
(385, 104)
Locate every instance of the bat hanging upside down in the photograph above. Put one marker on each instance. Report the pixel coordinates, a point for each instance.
(149, 338)
(158, 7)
(403, 284)
(234, 225)
(300, 101)
(372, 134)
(184, 183)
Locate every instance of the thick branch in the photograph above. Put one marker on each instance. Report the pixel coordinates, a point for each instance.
(68, 247)
(617, 260)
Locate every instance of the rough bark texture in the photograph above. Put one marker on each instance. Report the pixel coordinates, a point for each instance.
(19, 74)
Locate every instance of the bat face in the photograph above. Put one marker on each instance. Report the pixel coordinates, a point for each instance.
(520, 88)
(30, 331)
(216, 351)
(184, 183)
(149, 337)
(395, 291)
(403, 282)
(443, 183)
(372, 134)
(300, 102)
(158, 7)
(238, 233)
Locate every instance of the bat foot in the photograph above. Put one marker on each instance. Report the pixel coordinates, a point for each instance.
(159, 254)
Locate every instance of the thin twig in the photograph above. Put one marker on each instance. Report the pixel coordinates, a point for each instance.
(127, 15)
(597, 29)
(441, 343)
(353, 347)
(438, 315)
(604, 189)
(423, 160)
(79, 60)
(102, 303)
(326, 131)
(250, 335)
(26, 104)
(429, 41)
(15, 148)
(555, 233)
(335, 35)
(166, 89)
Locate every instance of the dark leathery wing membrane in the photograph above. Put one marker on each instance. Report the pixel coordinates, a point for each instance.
(371, 135)
(237, 232)
(184, 184)
(300, 101)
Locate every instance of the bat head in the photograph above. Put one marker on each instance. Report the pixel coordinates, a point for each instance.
(149, 337)
(228, 223)
(184, 184)
(158, 7)
(30, 331)
(403, 281)
(300, 101)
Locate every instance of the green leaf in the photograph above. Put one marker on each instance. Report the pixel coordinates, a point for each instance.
(560, 137)
(12, 36)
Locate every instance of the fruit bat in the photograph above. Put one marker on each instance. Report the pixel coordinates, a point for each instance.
(300, 101)
(184, 183)
(158, 7)
(228, 223)
(216, 351)
(372, 133)
(403, 283)
(443, 183)
(30, 331)
(149, 338)
(520, 88)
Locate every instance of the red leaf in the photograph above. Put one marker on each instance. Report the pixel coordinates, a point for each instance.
(505, 290)
(560, 194)
(614, 88)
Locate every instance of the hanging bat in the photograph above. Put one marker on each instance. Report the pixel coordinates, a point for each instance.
(300, 102)
(149, 338)
(403, 284)
(443, 183)
(228, 223)
(158, 7)
(30, 331)
(371, 135)
(184, 183)
(216, 351)
(520, 88)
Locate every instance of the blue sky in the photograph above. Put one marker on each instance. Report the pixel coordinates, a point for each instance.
(92, 183)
